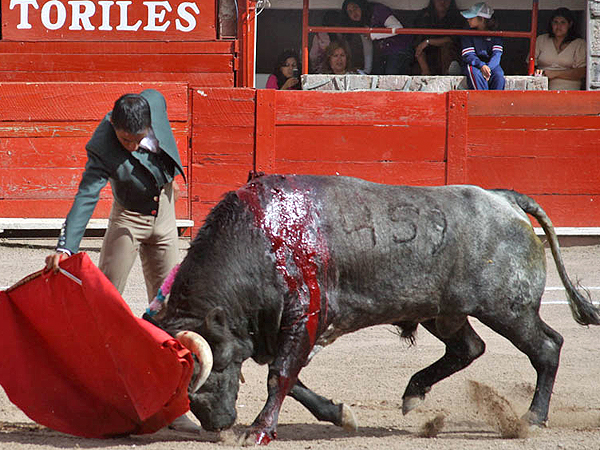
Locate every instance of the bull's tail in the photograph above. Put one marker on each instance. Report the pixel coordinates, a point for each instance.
(583, 310)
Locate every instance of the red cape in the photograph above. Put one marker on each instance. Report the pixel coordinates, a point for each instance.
(75, 358)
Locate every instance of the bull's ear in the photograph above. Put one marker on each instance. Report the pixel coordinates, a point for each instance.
(216, 320)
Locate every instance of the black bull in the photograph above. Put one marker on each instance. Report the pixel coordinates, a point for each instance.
(287, 264)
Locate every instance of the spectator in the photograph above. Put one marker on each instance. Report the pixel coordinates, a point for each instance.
(481, 54)
(439, 55)
(286, 73)
(393, 53)
(316, 56)
(337, 59)
(560, 54)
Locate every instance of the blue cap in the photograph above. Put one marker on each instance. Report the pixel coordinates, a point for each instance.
(478, 10)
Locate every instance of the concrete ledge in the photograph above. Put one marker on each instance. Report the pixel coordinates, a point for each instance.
(572, 231)
(20, 223)
(324, 82)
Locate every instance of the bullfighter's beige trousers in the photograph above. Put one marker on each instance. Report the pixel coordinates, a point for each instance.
(153, 237)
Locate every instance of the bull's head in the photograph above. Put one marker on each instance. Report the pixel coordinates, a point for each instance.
(213, 400)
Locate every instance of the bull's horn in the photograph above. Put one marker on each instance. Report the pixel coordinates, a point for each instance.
(198, 346)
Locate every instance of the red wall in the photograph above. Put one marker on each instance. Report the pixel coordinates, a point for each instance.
(43, 131)
(540, 143)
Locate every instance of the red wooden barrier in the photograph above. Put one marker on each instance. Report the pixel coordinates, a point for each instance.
(43, 132)
(540, 143)
(201, 63)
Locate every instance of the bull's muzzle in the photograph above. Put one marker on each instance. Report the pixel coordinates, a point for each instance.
(199, 347)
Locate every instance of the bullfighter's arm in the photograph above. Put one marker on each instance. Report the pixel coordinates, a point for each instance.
(94, 178)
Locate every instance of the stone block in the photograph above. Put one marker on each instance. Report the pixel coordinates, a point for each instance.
(419, 83)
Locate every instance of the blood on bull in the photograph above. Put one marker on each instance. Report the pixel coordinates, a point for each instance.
(287, 264)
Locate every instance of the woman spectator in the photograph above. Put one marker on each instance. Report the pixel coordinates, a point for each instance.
(337, 59)
(560, 54)
(439, 55)
(393, 53)
(482, 54)
(286, 72)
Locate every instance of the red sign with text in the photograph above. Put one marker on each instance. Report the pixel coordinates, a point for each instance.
(108, 20)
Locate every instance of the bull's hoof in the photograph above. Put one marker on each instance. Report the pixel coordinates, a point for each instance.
(534, 420)
(349, 422)
(411, 402)
(255, 437)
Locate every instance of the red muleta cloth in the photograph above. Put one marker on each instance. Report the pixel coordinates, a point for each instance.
(75, 358)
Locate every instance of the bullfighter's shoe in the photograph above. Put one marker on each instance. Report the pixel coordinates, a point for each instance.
(184, 423)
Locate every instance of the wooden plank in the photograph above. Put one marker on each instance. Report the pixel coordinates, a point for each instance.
(59, 208)
(534, 103)
(571, 210)
(33, 129)
(218, 174)
(360, 108)
(224, 107)
(533, 123)
(198, 79)
(47, 152)
(132, 62)
(457, 132)
(360, 143)
(120, 47)
(266, 137)
(413, 173)
(51, 183)
(81, 101)
(222, 142)
(533, 143)
(574, 176)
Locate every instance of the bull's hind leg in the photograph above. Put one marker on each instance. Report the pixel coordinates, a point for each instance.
(323, 408)
(530, 334)
(462, 348)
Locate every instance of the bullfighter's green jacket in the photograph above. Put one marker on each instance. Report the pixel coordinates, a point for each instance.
(132, 182)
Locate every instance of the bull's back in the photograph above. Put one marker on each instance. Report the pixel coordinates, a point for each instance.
(387, 253)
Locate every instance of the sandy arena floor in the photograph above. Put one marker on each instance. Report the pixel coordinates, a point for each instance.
(369, 370)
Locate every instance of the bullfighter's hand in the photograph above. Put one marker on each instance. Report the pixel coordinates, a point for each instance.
(53, 260)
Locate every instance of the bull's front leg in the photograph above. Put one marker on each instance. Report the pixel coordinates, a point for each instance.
(293, 351)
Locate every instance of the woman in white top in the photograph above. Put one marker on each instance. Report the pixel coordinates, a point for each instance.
(560, 54)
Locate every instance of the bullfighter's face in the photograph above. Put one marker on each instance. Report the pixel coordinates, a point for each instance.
(130, 141)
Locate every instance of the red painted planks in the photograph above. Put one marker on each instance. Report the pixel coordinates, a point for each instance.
(222, 143)
(224, 107)
(360, 143)
(59, 208)
(80, 101)
(199, 79)
(182, 63)
(47, 152)
(573, 176)
(118, 47)
(360, 108)
(533, 143)
(457, 134)
(571, 210)
(533, 103)
(267, 141)
(415, 173)
(536, 123)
